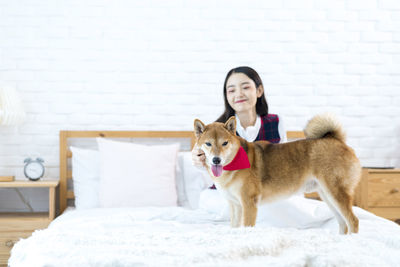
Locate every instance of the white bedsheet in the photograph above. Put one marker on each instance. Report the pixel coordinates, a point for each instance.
(180, 237)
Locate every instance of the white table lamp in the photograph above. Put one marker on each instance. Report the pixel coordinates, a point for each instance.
(11, 113)
(11, 109)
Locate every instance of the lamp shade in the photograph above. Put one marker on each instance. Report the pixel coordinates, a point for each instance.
(11, 109)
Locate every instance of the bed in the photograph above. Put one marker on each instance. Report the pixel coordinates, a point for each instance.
(160, 214)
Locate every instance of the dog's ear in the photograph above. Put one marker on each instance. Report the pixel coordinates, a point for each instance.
(230, 125)
(198, 128)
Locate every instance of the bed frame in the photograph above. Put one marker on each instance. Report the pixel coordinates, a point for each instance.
(65, 153)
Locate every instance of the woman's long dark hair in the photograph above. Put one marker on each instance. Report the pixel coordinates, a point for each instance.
(261, 105)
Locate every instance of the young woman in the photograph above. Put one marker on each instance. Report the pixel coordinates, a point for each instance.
(245, 99)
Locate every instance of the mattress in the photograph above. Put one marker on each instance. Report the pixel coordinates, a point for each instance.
(175, 236)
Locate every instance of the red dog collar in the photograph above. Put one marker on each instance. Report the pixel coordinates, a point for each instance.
(241, 161)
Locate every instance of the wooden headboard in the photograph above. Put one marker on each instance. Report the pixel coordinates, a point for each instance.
(65, 153)
(294, 135)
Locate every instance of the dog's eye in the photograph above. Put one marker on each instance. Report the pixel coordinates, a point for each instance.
(225, 143)
(208, 144)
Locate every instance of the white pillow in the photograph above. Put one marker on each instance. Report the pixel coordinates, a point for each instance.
(86, 177)
(133, 175)
(180, 181)
(190, 180)
(195, 180)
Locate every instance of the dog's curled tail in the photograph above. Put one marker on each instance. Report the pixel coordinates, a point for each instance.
(325, 125)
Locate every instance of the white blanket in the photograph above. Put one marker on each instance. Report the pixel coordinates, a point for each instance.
(181, 237)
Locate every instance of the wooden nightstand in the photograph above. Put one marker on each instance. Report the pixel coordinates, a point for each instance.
(14, 226)
(380, 192)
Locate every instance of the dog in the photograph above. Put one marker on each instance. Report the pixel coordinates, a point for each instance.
(250, 173)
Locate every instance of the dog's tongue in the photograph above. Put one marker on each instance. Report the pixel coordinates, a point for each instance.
(217, 170)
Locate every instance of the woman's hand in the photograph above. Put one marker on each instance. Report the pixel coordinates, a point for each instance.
(198, 157)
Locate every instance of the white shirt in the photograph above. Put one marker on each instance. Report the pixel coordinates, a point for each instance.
(251, 132)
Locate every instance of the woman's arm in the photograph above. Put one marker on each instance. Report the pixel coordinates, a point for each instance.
(282, 130)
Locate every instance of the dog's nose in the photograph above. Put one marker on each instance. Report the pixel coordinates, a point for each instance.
(216, 160)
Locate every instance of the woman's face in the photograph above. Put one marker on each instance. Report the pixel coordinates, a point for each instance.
(241, 92)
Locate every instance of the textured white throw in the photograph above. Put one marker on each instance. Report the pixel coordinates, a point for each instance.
(180, 237)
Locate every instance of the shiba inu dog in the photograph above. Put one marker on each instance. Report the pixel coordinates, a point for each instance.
(248, 173)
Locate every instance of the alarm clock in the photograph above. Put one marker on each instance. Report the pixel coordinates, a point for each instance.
(34, 169)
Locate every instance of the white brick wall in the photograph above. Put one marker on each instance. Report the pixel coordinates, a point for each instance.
(156, 65)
